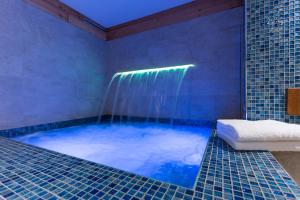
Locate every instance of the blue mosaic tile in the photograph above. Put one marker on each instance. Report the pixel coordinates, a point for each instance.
(28, 172)
(273, 57)
(9, 133)
(231, 174)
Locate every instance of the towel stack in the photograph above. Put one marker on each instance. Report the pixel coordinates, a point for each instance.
(263, 134)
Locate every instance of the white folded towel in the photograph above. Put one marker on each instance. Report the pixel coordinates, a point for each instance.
(262, 130)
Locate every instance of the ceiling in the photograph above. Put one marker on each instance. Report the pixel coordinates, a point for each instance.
(110, 13)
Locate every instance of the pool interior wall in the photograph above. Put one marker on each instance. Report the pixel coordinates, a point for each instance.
(159, 151)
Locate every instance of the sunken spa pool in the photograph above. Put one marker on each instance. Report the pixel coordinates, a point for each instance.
(167, 153)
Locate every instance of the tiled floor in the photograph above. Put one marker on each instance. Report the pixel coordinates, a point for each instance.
(28, 172)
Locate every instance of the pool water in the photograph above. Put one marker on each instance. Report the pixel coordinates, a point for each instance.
(169, 154)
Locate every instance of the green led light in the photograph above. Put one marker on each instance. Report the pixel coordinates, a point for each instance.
(142, 71)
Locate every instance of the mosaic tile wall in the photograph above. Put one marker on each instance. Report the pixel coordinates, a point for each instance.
(273, 57)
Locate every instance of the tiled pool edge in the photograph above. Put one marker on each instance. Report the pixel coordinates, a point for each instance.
(31, 172)
(130, 177)
(212, 134)
(13, 132)
(244, 174)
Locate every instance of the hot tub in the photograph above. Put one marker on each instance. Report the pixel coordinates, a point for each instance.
(167, 153)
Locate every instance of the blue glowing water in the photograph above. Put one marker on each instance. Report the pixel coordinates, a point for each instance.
(170, 154)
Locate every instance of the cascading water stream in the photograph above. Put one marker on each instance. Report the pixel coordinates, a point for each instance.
(181, 77)
(150, 94)
(101, 113)
(151, 98)
(126, 101)
(122, 77)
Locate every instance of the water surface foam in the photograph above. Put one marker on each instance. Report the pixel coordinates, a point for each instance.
(171, 154)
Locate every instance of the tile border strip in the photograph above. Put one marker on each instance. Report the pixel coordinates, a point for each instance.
(13, 132)
(9, 133)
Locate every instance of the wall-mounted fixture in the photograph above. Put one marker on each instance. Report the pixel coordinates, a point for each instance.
(293, 101)
(143, 71)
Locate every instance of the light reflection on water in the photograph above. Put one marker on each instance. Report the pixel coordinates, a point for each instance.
(170, 154)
